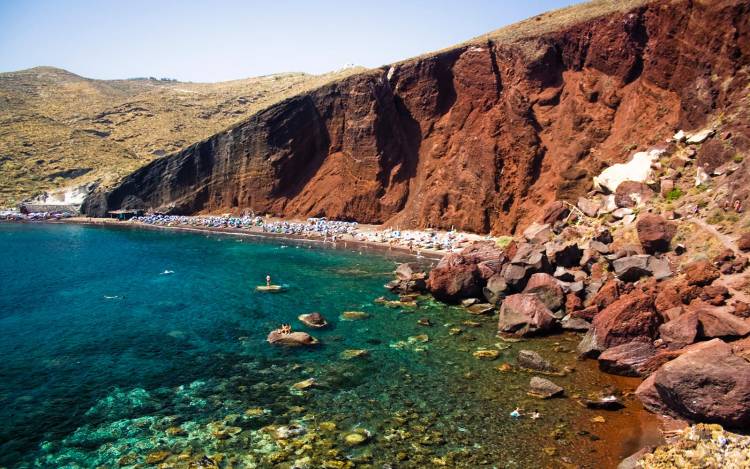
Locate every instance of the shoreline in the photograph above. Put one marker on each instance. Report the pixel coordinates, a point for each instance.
(625, 431)
(424, 254)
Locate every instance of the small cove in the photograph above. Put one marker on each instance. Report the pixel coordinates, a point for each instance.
(109, 361)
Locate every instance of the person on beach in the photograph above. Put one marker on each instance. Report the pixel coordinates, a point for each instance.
(268, 280)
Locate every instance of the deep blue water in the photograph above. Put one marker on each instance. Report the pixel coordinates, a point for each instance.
(106, 360)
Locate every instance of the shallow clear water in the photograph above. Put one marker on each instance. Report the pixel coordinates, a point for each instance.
(106, 360)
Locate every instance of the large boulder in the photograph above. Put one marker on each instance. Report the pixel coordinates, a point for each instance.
(631, 268)
(708, 384)
(547, 289)
(629, 318)
(700, 273)
(291, 339)
(705, 323)
(525, 314)
(410, 278)
(655, 233)
(627, 359)
(455, 278)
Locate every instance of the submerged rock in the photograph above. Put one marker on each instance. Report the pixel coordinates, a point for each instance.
(486, 354)
(357, 437)
(353, 353)
(542, 388)
(354, 315)
(314, 320)
(531, 360)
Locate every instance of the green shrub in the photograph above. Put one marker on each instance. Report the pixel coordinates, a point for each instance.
(737, 158)
(503, 241)
(674, 194)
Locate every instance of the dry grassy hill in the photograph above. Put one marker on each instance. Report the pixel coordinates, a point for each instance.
(59, 129)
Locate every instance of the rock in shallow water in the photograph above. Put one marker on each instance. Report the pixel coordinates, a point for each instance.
(543, 388)
(291, 339)
(533, 361)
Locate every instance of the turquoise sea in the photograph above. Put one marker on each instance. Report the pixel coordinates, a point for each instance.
(108, 361)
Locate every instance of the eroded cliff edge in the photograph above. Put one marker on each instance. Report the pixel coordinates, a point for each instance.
(478, 137)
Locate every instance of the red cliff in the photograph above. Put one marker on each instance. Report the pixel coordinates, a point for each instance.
(478, 137)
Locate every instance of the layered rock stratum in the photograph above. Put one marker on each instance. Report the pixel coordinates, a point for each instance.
(480, 136)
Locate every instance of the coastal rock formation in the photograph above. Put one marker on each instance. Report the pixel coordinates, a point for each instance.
(709, 384)
(480, 137)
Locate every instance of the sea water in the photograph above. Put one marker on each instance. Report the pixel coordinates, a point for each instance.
(138, 348)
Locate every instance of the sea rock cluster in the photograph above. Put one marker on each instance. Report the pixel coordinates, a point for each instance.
(609, 266)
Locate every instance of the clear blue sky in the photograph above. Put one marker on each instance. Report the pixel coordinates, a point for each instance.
(222, 40)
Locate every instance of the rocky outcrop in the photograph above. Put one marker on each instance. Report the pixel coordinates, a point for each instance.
(708, 384)
(480, 137)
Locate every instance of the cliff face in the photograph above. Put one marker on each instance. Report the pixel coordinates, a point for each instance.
(479, 137)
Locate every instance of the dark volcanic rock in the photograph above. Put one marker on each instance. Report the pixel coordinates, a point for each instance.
(631, 268)
(525, 314)
(654, 233)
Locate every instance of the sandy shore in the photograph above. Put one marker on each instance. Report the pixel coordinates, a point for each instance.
(345, 241)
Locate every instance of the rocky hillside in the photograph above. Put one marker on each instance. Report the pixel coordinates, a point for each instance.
(58, 129)
(481, 136)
